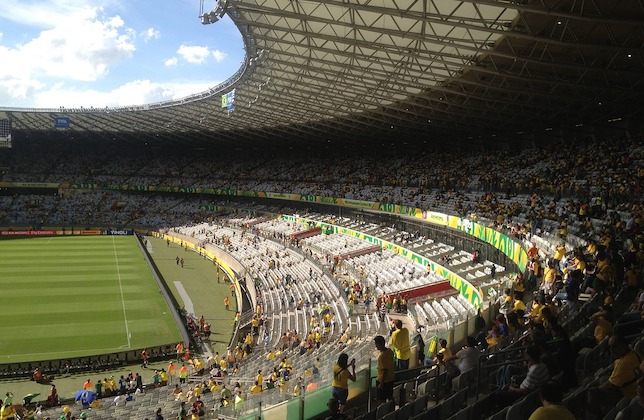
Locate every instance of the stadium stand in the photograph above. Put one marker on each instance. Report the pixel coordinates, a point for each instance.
(302, 279)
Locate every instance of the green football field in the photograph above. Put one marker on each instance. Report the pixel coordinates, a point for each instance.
(66, 297)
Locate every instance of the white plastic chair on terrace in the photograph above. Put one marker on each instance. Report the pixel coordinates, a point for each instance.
(421, 316)
(451, 312)
(431, 312)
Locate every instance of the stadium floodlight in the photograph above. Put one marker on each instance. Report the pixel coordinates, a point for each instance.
(222, 5)
(218, 12)
(208, 18)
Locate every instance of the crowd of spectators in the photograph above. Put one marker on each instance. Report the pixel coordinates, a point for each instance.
(496, 185)
(540, 316)
(598, 192)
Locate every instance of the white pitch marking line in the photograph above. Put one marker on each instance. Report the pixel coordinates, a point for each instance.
(187, 302)
(118, 272)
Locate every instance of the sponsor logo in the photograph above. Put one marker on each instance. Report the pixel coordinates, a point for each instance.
(61, 122)
(328, 200)
(357, 203)
(437, 218)
(27, 233)
(278, 195)
(36, 184)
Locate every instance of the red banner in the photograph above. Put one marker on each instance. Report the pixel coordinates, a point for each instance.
(429, 289)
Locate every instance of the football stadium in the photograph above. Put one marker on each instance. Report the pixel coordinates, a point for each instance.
(392, 210)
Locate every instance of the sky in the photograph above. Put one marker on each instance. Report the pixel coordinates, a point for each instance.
(98, 53)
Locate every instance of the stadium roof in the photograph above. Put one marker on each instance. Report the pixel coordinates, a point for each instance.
(397, 69)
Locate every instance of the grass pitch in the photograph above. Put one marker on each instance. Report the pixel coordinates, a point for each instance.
(65, 297)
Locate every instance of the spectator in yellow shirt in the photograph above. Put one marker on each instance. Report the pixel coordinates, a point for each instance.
(443, 353)
(518, 286)
(623, 381)
(551, 396)
(399, 341)
(604, 324)
(343, 372)
(535, 310)
(385, 378)
(256, 389)
(559, 254)
(549, 277)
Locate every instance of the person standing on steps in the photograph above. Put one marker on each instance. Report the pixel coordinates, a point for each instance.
(399, 341)
(144, 358)
(385, 377)
(341, 377)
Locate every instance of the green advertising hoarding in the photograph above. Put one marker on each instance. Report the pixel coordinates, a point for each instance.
(507, 245)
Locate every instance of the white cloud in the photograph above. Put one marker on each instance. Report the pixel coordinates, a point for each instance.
(198, 54)
(219, 55)
(151, 34)
(131, 33)
(19, 89)
(131, 93)
(183, 89)
(136, 92)
(82, 50)
(81, 45)
(194, 54)
(61, 52)
(139, 92)
(51, 13)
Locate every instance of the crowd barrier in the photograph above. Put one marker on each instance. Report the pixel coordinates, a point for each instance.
(94, 363)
